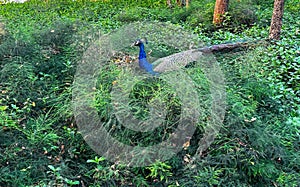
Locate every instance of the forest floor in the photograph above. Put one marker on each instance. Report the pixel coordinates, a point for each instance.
(45, 142)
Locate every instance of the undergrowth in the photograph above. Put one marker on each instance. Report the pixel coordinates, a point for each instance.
(40, 145)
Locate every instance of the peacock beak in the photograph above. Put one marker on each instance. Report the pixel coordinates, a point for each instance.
(137, 42)
(133, 44)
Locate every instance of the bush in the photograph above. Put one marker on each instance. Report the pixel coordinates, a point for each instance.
(40, 144)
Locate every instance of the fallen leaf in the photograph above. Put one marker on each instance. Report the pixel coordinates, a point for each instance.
(186, 159)
(186, 145)
(251, 120)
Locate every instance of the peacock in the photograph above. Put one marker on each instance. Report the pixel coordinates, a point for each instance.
(143, 62)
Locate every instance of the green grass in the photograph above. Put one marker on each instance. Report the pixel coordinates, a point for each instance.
(40, 144)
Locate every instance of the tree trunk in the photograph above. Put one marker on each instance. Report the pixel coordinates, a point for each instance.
(169, 3)
(221, 8)
(276, 22)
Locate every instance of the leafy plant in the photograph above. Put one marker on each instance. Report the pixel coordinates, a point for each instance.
(41, 43)
(159, 170)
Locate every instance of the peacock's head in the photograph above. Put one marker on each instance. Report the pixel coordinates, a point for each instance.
(138, 42)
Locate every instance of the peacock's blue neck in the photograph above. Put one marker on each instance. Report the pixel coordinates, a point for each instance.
(142, 52)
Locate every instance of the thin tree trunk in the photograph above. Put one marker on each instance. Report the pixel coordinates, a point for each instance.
(221, 8)
(276, 22)
(179, 3)
(169, 3)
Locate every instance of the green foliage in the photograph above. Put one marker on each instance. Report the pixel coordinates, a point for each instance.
(241, 13)
(208, 176)
(161, 170)
(41, 43)
(144, 93)
(202, 14)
